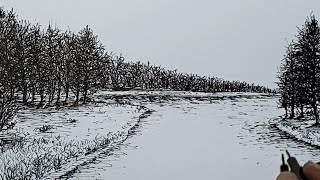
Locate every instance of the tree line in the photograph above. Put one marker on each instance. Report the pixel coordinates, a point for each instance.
(299, 74)
(39, 65)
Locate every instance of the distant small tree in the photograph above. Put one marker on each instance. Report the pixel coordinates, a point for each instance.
(117, 73)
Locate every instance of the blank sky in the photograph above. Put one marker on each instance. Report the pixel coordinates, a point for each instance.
(232, 39)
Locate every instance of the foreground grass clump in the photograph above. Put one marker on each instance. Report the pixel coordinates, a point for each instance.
(35, 159)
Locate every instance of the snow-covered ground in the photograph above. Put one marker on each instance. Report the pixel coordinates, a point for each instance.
(189, 135)
(202, 139)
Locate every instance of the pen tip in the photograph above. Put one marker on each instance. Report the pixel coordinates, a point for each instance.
(288, 153)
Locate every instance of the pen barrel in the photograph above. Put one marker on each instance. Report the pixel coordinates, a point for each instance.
(294, 166)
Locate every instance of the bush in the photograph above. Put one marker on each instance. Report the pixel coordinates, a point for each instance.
(7, 113)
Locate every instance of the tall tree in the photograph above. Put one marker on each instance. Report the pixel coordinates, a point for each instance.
(309, 48)
(90, 60)
(300, 71)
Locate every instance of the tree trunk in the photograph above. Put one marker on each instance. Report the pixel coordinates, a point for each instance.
(315, 112)
(58, 96)
(25, 94)
(286, 109)
(51, 95)
(292, 111)
(301, 111)
(316, 115)
(33, 96)
(11, 94)
(67, 94)
(85, 96)
(77, 96)
(85, 91)
(41, 99)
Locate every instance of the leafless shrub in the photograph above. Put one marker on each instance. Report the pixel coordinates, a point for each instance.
(71, 120)
(44, 128)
